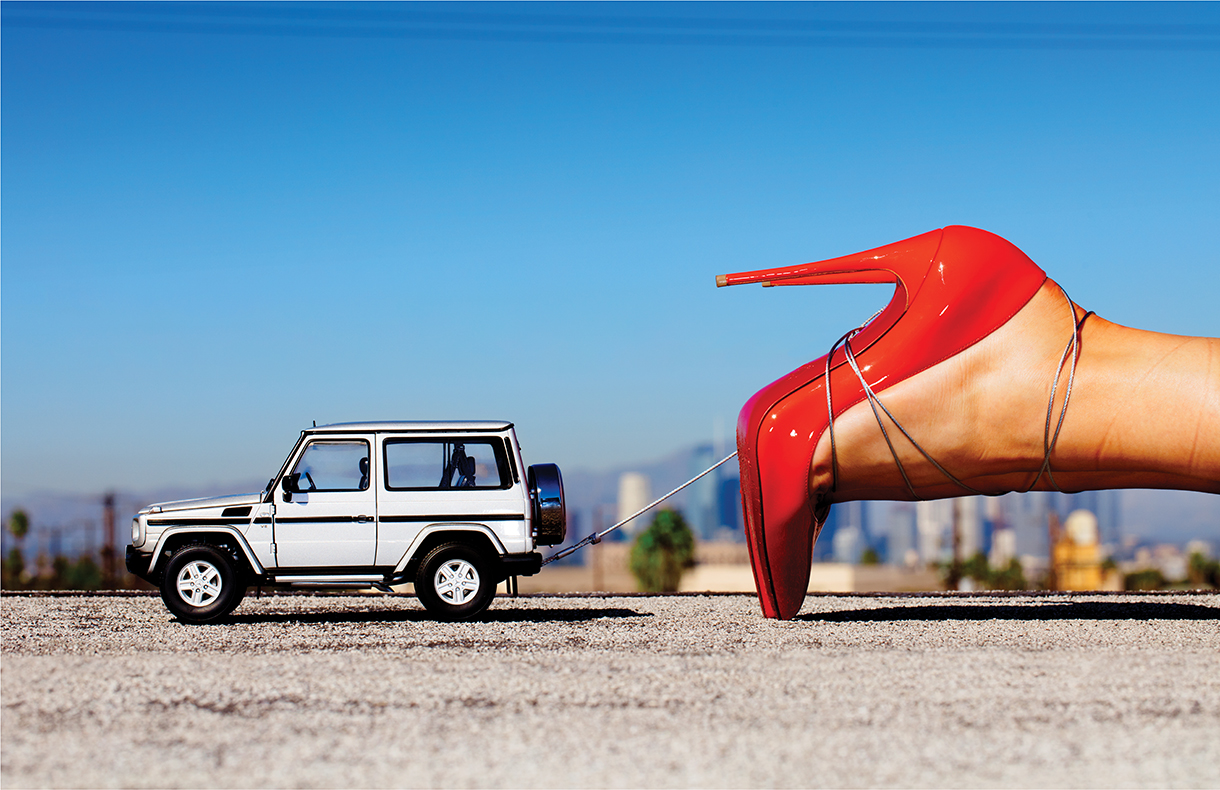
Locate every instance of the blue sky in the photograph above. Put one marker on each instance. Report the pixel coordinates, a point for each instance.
(222, 222)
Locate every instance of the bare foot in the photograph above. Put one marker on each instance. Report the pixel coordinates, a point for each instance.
(1144, 412)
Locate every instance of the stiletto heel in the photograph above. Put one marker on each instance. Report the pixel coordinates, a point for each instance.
(954, 287)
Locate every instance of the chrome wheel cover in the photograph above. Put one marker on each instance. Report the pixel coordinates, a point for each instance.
(199, 583)
(456, 582)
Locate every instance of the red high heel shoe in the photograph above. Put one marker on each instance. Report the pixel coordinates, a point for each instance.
(955, 286)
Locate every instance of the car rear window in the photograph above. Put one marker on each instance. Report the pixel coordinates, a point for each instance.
(445, 464)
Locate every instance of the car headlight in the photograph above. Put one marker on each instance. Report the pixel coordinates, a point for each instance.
(137, 533)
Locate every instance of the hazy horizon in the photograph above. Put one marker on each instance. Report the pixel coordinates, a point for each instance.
(1152, 516)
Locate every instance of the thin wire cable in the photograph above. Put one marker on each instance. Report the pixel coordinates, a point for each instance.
(596, 537)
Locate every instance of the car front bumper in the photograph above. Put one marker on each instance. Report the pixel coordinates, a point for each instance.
(137, 564)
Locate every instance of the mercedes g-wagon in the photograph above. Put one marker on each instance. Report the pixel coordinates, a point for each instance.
(447, 506)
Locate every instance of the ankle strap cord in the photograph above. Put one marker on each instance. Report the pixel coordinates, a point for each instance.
(1048, 439)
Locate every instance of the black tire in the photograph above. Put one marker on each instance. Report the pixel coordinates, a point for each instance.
(455, 582)
(238, 596)
(200, 584)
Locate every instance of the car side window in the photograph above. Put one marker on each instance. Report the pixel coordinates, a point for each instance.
(437, 465)
(334, 465)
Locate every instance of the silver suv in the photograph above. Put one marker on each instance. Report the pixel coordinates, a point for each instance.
(448, 506)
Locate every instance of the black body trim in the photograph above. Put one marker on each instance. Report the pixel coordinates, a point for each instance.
(137, 564)
(462, 518)
(512, 460)
(332, 570)
(521, 564)
(314, 519)
(192, 522)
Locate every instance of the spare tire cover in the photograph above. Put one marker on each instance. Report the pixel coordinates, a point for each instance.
(550, 513)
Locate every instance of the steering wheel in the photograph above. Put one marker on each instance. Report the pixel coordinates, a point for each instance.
(312, 486)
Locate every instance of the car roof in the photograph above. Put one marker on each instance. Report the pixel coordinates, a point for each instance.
(418, 426)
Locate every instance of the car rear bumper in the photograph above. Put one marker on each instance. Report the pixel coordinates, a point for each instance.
(521, 564)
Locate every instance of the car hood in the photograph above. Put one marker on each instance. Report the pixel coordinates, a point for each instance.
(205, 502)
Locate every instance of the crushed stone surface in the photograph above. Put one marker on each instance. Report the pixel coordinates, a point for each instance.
(684, 691)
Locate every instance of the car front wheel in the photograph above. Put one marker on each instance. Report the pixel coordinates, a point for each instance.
(454, 582)
(200, 584)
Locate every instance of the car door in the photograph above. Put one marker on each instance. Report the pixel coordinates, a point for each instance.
(450, 479)
(330, 521)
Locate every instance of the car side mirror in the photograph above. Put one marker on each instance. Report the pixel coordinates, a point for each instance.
(289, 484)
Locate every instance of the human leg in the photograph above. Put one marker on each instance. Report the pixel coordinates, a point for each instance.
(1144, 412)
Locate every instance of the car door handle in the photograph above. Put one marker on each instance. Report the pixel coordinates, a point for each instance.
(362, 519)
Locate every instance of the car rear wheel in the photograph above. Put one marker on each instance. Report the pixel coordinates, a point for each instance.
(454, 582)
(200, 584)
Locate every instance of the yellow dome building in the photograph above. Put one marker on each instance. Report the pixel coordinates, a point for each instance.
(1076, 555)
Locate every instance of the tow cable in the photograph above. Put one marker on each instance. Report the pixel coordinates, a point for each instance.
(596, 537)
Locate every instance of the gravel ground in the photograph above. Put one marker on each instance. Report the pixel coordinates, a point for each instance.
(364, 691)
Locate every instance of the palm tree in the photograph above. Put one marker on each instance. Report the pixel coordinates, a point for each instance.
(14, 564)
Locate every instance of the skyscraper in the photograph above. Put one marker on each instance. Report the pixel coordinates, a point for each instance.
(729, 501)
(901, 539)
(852, 536)
(969, 525)
(634, 492)
(702, 505)
(933, 520)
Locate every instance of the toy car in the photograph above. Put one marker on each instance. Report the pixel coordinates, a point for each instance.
(448, 506)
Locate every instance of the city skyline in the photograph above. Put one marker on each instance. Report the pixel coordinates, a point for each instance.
(595, 500)
(1127, 519)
